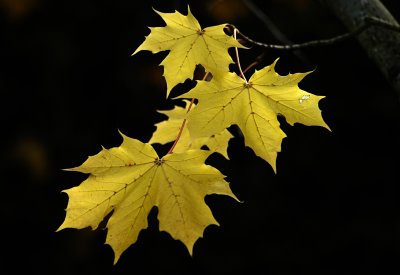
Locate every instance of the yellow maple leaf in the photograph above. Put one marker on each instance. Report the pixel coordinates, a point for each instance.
(167, 131)
(131, 179)
(254, 105)
(189, 45)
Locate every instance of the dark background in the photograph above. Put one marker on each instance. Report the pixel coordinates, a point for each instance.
(68, 83)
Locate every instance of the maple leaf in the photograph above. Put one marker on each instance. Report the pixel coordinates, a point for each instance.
(131, 179)
(167, 131)
(189, 46)
(254, 105)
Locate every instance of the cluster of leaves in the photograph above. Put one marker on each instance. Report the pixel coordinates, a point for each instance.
(131, 179)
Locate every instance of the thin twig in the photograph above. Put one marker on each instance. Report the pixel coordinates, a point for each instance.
(184, 121)
(180, 129)
(273, 29)
(237, 57)
(255, 63)
(368, 22)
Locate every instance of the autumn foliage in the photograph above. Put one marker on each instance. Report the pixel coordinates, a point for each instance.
(131, 179)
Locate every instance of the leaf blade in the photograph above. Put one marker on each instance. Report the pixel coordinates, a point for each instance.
(254, 106)
(189, 46)
(130, 180)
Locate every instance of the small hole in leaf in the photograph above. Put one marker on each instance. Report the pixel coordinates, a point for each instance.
(303, 98)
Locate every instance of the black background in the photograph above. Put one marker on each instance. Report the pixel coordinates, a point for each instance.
(68, 83)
